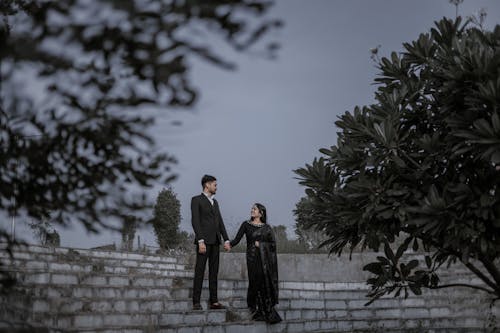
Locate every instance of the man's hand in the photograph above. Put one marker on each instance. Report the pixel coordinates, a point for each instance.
(256, 243)
(202, 248)
(227, 246)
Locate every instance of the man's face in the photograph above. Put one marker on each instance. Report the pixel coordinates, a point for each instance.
(211, 187)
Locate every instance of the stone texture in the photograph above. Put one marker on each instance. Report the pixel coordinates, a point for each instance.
(105, 291)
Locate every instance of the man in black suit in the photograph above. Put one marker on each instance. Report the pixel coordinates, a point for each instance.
(208, 228)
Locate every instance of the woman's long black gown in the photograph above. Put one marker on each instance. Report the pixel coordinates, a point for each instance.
(262, 269)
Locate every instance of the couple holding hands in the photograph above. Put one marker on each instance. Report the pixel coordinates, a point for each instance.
(262, 294)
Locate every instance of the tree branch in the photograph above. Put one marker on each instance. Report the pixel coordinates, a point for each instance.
(494, 272)
(494, 286)
(492, 292)
(481, 276)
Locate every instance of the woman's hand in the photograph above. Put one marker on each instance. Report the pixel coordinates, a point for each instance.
(256, 243)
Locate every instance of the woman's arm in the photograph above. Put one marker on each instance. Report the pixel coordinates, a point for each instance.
(240, 234)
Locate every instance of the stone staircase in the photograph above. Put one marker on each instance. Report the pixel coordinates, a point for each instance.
(68, 290)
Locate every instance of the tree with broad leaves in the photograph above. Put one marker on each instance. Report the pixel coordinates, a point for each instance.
(421, 163)
(73, 75)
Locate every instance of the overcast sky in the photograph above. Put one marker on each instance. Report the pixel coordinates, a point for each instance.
(253, 126)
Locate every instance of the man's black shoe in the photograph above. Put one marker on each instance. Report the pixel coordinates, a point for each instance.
(216, 306)
(197, 307)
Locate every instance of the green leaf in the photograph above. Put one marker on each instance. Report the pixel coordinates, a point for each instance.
(416, 289)
(419, 221)
(434, 280)
(399, 162)
(403, 247)
(380, 131)
(412, 264)
(495, 157)
(396, 193)
(389, 254)
(484, 127)
(374, 268)
(415, 245)
(383, 260)
(495, 120)
(428, 262)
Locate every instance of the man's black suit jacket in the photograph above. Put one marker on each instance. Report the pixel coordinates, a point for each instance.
(207, 220)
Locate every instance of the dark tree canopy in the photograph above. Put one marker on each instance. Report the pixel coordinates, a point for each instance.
(421, 163)
(73, 74)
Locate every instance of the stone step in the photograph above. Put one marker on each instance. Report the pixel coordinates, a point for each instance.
(70, 277)
(156, 305)
(108, 265)
(182, 279)
(295, 326)
(62, 253)
(111, 285)
(99, 320)
(159, 303)
(177, 317)
(109, 295)
(38, 277)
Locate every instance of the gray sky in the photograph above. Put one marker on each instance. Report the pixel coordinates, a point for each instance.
(253, 126)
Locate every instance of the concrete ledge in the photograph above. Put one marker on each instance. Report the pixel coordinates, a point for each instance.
(321, 267)
(27, 251)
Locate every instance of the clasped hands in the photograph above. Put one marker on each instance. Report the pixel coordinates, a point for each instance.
(202, 248)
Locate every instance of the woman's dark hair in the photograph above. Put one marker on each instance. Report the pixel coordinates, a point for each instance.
(262, 211)
(207, 179)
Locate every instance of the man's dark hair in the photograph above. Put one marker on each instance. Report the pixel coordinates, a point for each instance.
(207, 179)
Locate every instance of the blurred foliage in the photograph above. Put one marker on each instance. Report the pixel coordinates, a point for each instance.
(285, 245)
(421, 163)
(44, 231)
(53, 239)
(74, 75)
(7, 278)
(129, 227)
(307, 232)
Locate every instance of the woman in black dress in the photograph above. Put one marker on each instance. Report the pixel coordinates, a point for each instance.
(262, 266)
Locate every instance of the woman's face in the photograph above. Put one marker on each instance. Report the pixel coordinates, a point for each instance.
(255, 212)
